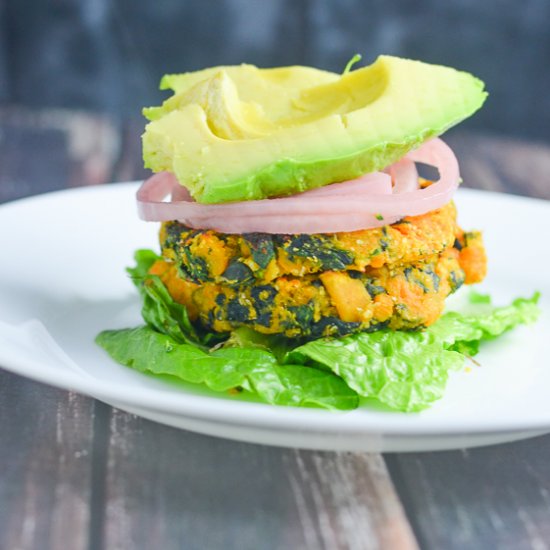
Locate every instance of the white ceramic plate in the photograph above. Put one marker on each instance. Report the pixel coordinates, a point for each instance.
(62, 281)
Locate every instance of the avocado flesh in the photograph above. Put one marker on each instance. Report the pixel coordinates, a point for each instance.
(279, 139)
(271, 90)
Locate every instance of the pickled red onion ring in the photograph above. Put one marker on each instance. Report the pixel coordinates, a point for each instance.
(306, 224)
(404, 176)
(365, 184)
(363, 203)
(159, 186)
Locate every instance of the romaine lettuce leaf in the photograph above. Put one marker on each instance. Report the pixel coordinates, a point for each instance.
(224, 369)
(407, 371)
(485, 322)
(159, 310)
(400, 369)
(144, 259)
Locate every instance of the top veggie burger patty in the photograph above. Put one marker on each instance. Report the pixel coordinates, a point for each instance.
(207, 255)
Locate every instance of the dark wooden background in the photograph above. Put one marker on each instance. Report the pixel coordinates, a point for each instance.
(77, 474)
(108, 55)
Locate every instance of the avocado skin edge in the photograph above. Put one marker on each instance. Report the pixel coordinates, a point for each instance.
(288, 176)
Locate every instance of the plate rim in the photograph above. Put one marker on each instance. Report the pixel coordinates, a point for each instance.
(258, 414)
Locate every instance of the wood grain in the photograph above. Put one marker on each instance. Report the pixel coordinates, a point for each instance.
(494, 497)
(169, 489)
(46, 463)
(338, 492)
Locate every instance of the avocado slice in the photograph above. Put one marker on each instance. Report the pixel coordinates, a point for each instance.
(243, 133)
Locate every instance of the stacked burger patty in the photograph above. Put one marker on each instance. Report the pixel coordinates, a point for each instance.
(310, 286)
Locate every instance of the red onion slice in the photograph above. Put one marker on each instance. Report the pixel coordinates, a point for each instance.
(155, 189)
(404, 176)
(363, 203)
(369, 184)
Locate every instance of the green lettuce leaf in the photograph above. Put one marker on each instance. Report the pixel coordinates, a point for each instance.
(399, 369)
(485, 322)
(408, 371)
(159, 310)
(224, 369)
(144, 259)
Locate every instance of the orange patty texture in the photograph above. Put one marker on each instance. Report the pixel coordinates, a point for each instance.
(310, 286)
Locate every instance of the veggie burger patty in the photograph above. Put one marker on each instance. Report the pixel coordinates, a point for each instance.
(397, 276)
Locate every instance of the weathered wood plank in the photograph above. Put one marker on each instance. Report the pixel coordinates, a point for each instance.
(348, 500)
(46, 453)
(170, 489)
(494, 497)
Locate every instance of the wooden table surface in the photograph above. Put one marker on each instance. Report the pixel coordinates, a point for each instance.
(76, 474)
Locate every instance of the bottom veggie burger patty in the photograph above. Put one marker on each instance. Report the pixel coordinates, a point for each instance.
(333, 303)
